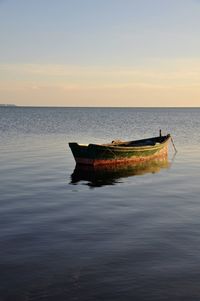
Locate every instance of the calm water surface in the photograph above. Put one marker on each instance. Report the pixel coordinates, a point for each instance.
(125, 236)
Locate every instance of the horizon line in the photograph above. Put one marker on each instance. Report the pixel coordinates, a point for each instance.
(96, 107)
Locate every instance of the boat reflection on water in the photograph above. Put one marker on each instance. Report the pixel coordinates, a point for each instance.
(98, 176)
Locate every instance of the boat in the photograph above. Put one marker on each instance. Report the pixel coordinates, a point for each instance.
(111, 174)
(119, 151)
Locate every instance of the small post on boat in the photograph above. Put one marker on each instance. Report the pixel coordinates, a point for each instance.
(160, 132)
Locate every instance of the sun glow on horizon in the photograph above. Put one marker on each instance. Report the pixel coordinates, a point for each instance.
(159, 83)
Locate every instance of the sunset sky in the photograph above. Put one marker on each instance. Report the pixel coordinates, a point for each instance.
(100, 52)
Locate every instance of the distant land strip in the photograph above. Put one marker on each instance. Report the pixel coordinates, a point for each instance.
(7, 105)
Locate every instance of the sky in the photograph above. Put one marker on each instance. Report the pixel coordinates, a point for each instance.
(133, 53)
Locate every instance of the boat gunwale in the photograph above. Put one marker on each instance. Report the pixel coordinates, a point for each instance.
(129, 148)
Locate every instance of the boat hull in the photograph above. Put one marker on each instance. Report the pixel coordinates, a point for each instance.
(94, 154)
(110, 174)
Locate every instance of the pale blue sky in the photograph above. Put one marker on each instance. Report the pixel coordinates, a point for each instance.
(122, 35)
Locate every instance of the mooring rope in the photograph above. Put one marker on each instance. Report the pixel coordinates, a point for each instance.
(112, 152)
(174, 145)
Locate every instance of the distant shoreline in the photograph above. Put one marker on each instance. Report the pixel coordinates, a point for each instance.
(89, 107)
(7, 105)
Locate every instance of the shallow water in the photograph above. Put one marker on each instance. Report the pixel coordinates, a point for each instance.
(133, 237)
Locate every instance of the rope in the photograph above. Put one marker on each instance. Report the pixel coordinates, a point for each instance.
(173, 145)
(113, 153)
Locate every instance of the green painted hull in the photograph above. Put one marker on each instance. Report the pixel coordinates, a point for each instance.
(140, 150)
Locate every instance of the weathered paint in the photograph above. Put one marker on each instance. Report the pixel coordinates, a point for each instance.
(100, 175)
(161, 153)
(107, 154)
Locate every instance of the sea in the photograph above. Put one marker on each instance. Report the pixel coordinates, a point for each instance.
(115, 235)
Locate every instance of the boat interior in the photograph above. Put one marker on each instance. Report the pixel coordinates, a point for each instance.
(142, 142)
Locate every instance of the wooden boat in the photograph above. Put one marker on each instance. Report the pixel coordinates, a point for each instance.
(111, 174)
(120, 152)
